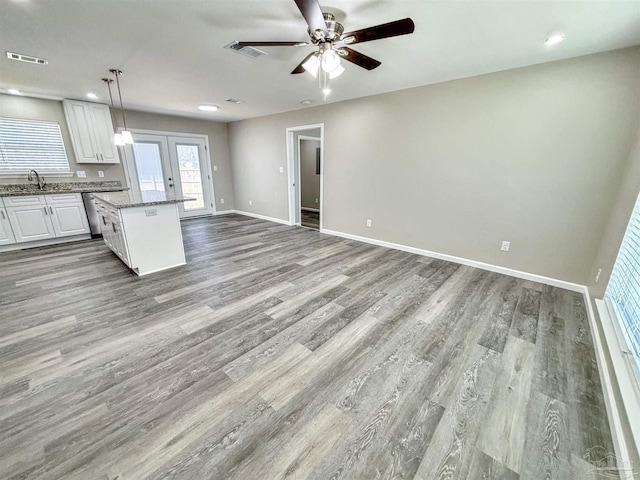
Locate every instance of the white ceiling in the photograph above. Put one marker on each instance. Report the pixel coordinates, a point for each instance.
(171, 51)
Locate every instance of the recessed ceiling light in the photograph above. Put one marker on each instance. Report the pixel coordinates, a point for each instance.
(554, 40)
(208, 108)
(14, 91)
(306, 102)
(92, 96)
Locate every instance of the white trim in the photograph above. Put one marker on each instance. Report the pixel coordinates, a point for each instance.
(44, 243)
(261, 217)
(166, 134)
(623, 371)
(307, 209)
(463, 261)
(224, 212)
(291, 189)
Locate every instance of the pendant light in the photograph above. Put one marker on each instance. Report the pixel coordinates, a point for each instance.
(126, 134)
(117, 138)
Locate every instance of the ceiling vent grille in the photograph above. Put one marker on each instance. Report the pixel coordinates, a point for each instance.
(234, 100)
(246, 51)
(26, 58)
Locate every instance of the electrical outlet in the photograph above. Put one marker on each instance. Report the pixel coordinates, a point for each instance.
(598, 275)
(250, 203)
(369, 222)
(100, 173)
(281, 169)
(215, 168)
(81, 174)
(505, 246)
(316, 200)
(222, 201)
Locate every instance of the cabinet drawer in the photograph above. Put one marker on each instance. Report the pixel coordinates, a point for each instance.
(61, 198)
(24, 200)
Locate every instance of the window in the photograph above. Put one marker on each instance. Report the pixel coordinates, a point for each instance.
(31, 144)
(624, 287)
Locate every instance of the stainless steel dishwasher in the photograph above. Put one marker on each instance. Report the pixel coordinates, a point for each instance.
(92, 215)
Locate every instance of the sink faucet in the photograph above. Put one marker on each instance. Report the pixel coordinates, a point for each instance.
(39, 179)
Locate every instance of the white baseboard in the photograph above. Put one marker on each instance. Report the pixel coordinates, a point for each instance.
(224, 212)
(262, 217)
(308, 209)
(554, 282)
(44, 243)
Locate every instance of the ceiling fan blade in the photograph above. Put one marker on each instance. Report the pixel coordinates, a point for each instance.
(360, 59)
(386, 30)
(300, 68)
(312, 14)
(273, 44)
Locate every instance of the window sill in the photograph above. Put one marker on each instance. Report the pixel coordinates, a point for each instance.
(623, 366)
(42, 174)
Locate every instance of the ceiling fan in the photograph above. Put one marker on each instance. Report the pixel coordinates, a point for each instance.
(328, 35)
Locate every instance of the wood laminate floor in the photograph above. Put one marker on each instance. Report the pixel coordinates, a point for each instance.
(278, 352)
(310, 219)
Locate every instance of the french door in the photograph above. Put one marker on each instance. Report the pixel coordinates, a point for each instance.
(177, 165)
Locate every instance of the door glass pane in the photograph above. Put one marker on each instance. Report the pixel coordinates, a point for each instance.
(149, 168)
(190, 176)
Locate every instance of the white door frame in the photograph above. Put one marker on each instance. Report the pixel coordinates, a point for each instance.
(129, 166)
(293, 187)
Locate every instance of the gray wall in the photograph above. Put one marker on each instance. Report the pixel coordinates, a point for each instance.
(532, 155)
(218, 143)
(14, 106)
(309, 180)
(618, 218)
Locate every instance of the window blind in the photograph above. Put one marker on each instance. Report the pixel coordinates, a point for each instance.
(624, 286)
(31, 144)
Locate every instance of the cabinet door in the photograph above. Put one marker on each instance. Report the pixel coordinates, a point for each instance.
(30, 223)
(6, 233)
(69, 219)
(103, 130)
(81, 129)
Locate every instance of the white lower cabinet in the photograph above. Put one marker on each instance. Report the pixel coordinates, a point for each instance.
(6, 232)
(41, 217)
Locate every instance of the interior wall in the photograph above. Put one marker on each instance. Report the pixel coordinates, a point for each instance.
(14, 106)
(218, 143)
(309, 179)
(618, 219)
(532, 155)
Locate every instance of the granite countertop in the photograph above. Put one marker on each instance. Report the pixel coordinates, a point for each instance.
(131, 199)
(24, 189)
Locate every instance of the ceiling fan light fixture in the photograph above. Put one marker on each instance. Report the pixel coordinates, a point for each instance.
(312, 65)
(348, 40)
(330, 61)
(337, 72)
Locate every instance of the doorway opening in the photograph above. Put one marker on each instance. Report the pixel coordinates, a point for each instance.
(305, 153)
(160, 164)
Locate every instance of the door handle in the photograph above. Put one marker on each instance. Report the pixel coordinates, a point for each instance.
(3, 216)
(45, 210)
(171, 185)
(97, 159)
(101, 157)
(51, 210)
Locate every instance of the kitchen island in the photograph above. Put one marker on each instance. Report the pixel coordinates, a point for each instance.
(144, 234)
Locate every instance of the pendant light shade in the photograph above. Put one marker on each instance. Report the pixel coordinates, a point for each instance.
(127, 138)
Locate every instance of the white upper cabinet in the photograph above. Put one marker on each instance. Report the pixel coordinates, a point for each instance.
(91, 132)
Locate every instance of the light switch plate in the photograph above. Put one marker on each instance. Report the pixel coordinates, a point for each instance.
(100, 173)
(215, 168)
(222, 201)
(81, 174)
(505, 246)
(281, 169)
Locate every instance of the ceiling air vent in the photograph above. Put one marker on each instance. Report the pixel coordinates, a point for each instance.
(246, 51)
(26, 58)
(234, 100)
